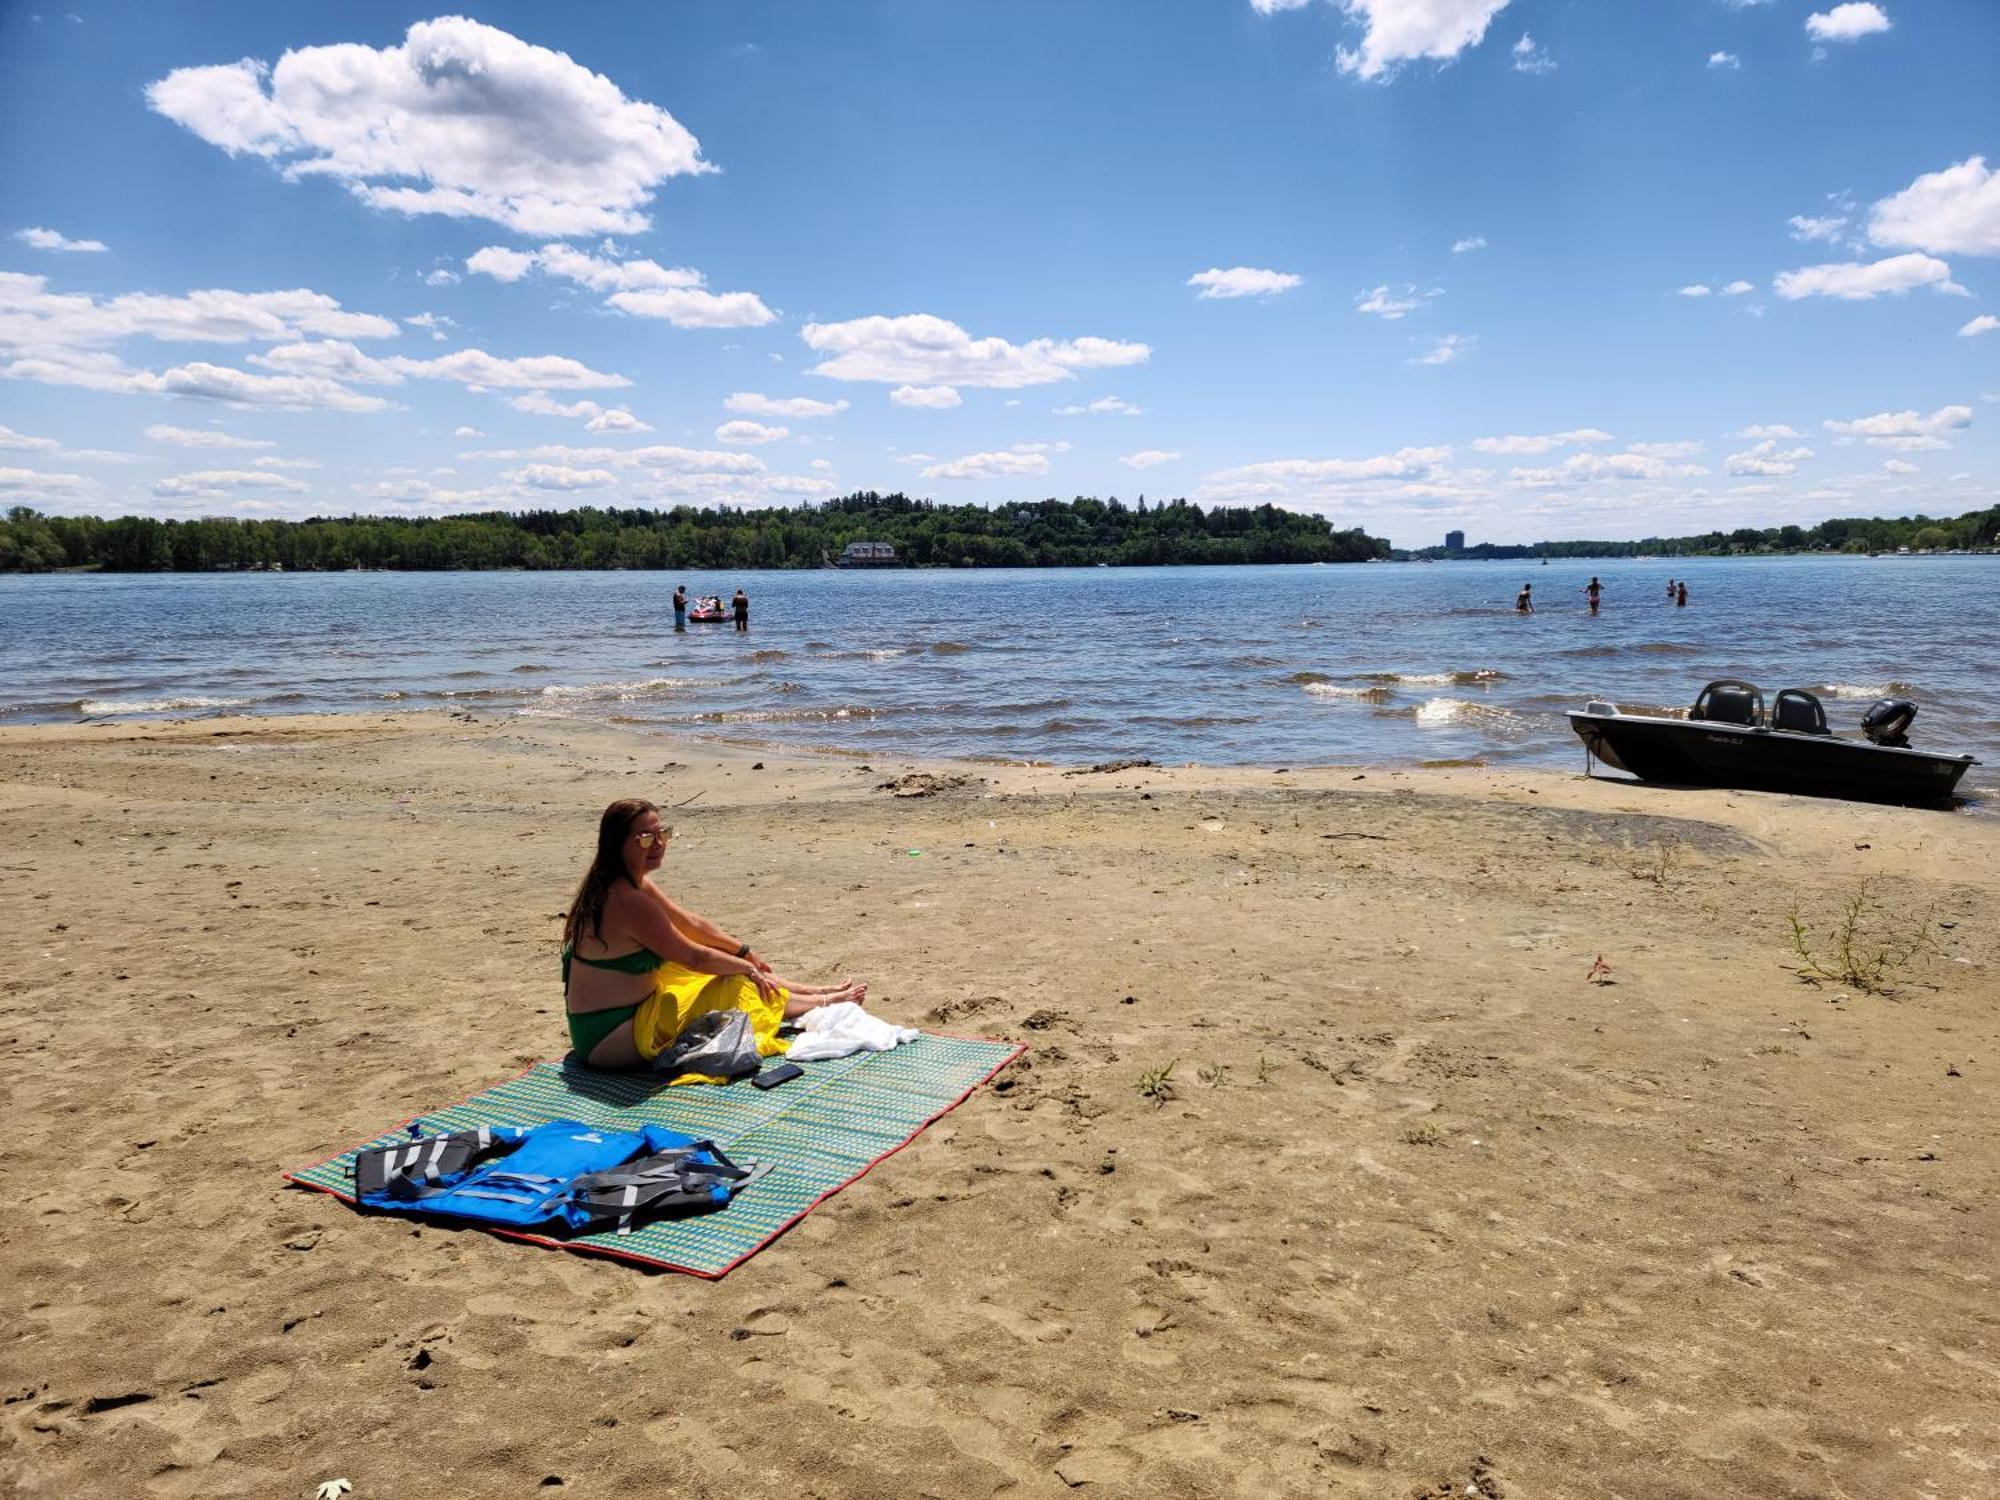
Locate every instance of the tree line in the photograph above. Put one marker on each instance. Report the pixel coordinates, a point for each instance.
(1975, 530)
(1024, 534)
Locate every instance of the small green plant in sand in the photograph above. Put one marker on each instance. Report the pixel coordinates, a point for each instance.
(1158, 1085)
(1265, 1070)
(1423, 1135)
(1660, 864)
(1864, 946)
(1215, 1075)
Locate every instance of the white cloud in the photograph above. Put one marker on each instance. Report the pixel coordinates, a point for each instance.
(561, 477)
(478, 368)
(1679, 448)
(1853, 281)
(1905, 431)
(1773, 430)
(441, 276)
(1956, 210)
(1738, 289)
(205, 382)
(20, 442)
(1724, 60)
(1593, 468)
(927, 397)
(268, 462)
(1846, 23)
(599, 418)
(1529, 58)
(616, 419)
(1242, 281)
(1400, 30)
(756, 404)
(1697, 290)
(644, 288)
(1900, 466)
(1829, 227)
(30, 314)
(1984, 323)
(1541, 442)
(28, 483)
(202, 437)
(750, 434)
(215, 484)
(432, 323)
(1147, 458)
(1767, 459)
(919, 349)
(1272, 7)
(988, 466)
(62, 244)
(1447, 348)
(1323, 475)
(1467, 245)
(462, 119)
(1391, 303)
(466, 432)
(1103, 406)
(661, 458)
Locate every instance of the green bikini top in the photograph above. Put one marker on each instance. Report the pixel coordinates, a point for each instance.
(639, 961)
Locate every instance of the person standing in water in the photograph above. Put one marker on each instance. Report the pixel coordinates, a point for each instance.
(1670, 588)
(1524, 603)
(681, 607)
(1592, 591)
(741, 605)
(1681, 595)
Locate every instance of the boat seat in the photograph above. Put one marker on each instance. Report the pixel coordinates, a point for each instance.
(1799, 711)
(1728, 701)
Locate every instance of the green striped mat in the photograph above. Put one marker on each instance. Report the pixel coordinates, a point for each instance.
(818, 1133)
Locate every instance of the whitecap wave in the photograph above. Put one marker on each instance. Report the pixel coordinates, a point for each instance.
(1863, 691)
(1334, 692)
(100, 707)
(619, 690)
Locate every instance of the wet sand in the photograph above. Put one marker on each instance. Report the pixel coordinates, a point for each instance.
(1422, 1209)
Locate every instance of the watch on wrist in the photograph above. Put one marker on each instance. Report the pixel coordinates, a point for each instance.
(744, 951)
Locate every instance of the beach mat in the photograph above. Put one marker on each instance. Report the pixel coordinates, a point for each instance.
(817, 1133)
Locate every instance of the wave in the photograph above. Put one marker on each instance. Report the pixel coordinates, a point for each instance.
(1439, 713)
(1192, 721)
(1669, 648)
(95, 708)
(949, 648)
(1333, 691)
(784, 715)
(531, 666)
(768, 653)
(1864, 691)
(1477, 677)
(620, 690)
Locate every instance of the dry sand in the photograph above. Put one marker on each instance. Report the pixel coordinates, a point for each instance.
(1428, 1212)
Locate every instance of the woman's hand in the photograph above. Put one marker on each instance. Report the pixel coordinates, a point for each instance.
(766, 989)
(762, 967)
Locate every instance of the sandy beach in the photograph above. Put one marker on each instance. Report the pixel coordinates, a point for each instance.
(1425, 1208)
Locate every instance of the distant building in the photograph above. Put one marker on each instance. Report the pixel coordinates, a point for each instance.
(868, 555)
(1454, 541)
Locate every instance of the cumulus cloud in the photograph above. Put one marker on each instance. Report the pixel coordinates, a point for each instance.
(596, 418)
(1724, 60)
(1698, 289)
(1103, 406)
(1540, 442)
(644, 288)
(461, 119)
(1773, 430)
(1530, 58)
(1899, 466)
(989, 466)
(1905, 431)
(19, 483)
(1281, 475)
(1241, 281)
(32, 314)
(466, 432)
(1738, 289)
(927, 397)
(1984, 323)
(1391, 302)
(1767, 459)
(216, 484)
(561, 477)
(1846, 23)
(20, 442)
(267, 462)
(62, 244)
(1147, 458)
(1469, 244)
(1447, 348)
(659, 458)
(750, 434)
(1593, 468)
(919, 349)
(756, 404)
(200, 381)
(1401, 30)
(1956, 210)
(1854, 281)
(202, 437)
(1827, 227)
(337, 360)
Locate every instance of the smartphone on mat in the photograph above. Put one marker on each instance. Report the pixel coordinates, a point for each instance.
(770, 1078)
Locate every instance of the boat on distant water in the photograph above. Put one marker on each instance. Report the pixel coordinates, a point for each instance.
(1728, 740)
(868, 555)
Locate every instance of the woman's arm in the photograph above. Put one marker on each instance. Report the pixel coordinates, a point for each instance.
(645, 914)
(701, 929)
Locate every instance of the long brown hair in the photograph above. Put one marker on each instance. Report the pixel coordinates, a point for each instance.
(606, 866)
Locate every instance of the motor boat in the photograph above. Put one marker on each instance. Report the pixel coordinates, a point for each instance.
(708, 611)
(1727, 739)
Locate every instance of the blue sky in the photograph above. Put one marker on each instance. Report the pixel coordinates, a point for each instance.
(1528, 268)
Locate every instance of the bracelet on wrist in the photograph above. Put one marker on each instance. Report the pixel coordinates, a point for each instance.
(744, 951)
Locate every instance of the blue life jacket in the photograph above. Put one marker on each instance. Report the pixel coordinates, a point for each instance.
(563, 1172)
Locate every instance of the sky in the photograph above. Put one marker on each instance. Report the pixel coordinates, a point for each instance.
(1523, 268)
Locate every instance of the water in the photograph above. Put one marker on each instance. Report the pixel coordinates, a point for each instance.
(1262, 665)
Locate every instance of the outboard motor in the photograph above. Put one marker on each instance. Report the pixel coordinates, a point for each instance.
(1888, 722)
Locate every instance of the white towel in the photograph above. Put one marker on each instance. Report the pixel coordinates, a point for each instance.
(830, 1031)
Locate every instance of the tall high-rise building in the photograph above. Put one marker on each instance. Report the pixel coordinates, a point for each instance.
(1454, 541)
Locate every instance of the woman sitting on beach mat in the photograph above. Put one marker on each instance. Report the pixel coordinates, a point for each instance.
(637, 968)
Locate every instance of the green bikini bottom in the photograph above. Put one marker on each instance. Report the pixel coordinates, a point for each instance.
(588, 1030)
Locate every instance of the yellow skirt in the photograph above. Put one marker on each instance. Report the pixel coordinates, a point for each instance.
(681, 994)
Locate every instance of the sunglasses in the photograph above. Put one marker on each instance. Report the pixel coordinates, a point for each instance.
(647, 840)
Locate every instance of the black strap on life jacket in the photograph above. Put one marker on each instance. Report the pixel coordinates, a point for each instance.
(415, 1170)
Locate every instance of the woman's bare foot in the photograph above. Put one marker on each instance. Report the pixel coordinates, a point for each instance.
(805, 1000)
